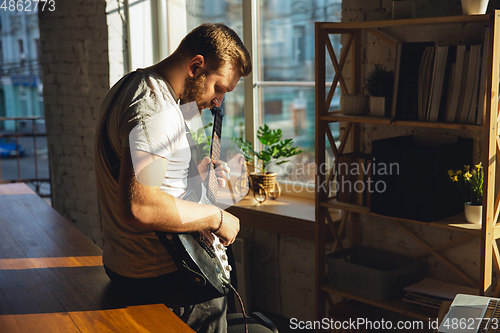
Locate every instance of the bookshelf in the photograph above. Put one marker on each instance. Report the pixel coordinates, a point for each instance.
(488, 232)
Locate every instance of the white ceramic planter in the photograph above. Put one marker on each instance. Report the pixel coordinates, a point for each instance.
(377, 106)
(473, 214)
(474, 7)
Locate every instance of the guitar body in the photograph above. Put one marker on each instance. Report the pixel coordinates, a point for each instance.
(200, 254)
(202, 267)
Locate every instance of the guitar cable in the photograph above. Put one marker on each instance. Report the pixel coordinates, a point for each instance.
(230, 286)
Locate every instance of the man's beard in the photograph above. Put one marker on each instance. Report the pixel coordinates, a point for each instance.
(194, 91)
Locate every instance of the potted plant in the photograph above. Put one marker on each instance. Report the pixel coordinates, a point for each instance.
(470, 184)
(379, 84)
(275, 151)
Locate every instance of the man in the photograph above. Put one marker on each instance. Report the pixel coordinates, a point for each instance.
(142, 158)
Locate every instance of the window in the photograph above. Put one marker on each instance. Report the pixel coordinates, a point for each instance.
(285, 43)
(23, 101)
(2, 109)
(22, 56)
(283, 64)
(41, 110)
(1, 57)
(230, 13)
(298, 50)
(37, 49)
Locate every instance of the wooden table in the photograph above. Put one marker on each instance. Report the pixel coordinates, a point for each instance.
(52, 278)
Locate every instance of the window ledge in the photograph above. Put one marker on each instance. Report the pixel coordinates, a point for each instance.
(287, 215)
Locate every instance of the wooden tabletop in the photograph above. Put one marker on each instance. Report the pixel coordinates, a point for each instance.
(52, 278)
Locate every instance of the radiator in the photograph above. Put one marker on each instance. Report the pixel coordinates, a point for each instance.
(242, 264)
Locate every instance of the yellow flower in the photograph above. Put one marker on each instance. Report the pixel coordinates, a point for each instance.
(467, 167)
(454, 178)
(459, 172)
(467, 175)
(450, 173)
(479, 166)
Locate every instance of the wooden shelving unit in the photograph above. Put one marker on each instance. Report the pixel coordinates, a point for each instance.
(488, 131)
(336, 116)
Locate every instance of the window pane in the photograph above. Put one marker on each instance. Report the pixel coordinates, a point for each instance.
(291, 109)
(286, 48)
(229, 12)
(287, 37)
(233, 124)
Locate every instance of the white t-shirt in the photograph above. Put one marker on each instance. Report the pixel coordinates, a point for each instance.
(149, 105)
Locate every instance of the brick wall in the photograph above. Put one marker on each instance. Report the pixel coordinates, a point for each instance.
(75, 74)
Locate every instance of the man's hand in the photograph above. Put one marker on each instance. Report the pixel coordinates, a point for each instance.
(229, 230)
(221, 170)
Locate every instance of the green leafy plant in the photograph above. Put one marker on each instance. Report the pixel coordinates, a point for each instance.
(470, 183)
(275, 149)
(380, 81)
(202, 141)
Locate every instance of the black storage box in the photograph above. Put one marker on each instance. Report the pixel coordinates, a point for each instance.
(411, 181)
(372, 273)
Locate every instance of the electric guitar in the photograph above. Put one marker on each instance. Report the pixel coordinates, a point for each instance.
(201, 254)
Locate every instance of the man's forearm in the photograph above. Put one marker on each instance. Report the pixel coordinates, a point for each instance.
(143, 204)
(163, 212)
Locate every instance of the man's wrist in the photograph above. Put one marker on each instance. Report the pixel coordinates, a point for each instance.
(221, 223)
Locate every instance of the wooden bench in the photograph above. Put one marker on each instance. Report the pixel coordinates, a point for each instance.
(52, 278)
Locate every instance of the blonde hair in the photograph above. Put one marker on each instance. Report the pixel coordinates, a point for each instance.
(219, 45)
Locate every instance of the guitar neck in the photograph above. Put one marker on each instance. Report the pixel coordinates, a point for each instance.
(215, 146)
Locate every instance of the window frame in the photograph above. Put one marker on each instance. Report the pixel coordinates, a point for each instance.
(253, 91)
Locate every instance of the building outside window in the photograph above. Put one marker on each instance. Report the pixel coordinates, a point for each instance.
(20, 65)
(21, 96)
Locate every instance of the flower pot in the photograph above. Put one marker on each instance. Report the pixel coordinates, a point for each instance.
(264, 186)
(473, 214)
(474, 7)
(354, 104)
(377, 106)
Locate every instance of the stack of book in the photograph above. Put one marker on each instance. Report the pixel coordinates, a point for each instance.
(440, 82)
(429, 293)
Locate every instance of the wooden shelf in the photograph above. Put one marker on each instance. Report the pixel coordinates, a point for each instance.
(398, 305)
(456, 222)
(406, 22)
(336, 116)
(333, 203)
